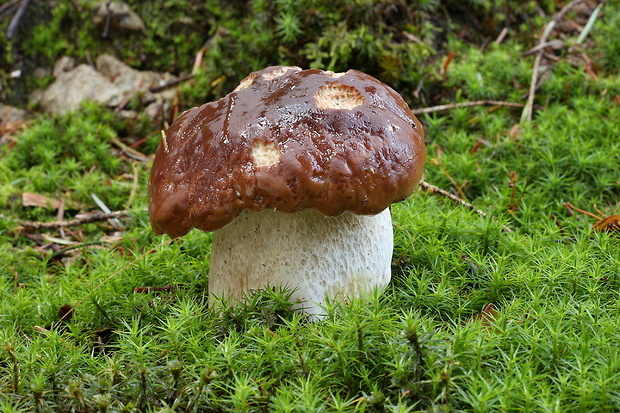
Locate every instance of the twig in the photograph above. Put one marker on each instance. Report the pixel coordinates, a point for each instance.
(502, 35)
(86, 219)
(59, 217)
(554, 44)
(437, 190)
(526, 115)
(170, 83)
(108, 17)
(114, 221)
(198, 60)
(43, 330)
(16, 18)
(5, 7)
(124, 102)
(62, 252)
(129, 151)
(432, 189)
(572, 207)
(467, 104)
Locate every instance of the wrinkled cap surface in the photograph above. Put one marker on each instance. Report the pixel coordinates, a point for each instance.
(287, 139)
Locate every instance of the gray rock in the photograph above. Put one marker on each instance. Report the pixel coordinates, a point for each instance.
(126, 78)
(112, 83)
(64, 64)
(121, 17)
(10, 114)
(82, 83)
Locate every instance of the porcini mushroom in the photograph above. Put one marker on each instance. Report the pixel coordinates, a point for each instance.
(295, 171)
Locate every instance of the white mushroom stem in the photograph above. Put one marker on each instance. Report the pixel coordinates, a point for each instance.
(318, 256)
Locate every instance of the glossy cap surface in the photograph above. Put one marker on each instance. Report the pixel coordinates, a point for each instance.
(287, 139)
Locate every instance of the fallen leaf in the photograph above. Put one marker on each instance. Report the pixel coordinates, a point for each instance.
(57, 240)
(487, 316)
(65, 313)
(37, 200)
(609, 224)
(111, 239)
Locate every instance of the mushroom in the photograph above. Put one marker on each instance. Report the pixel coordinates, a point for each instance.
(294, 171)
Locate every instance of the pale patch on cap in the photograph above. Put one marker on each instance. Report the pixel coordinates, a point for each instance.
(335, 75)
(338, 96)
(246, 82)
(279, 71)
(265, 154)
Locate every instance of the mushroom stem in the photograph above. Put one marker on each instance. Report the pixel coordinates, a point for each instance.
(314, 255)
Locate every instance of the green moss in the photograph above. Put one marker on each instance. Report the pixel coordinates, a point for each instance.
(67, 156)
(142, 335)
(473, 74)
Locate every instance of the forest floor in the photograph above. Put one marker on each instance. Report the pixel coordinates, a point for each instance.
(505, 291)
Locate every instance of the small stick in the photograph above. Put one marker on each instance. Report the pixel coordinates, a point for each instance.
(114, 221)
(108, 17)
(43, 330)
(60, 215)
(526, 115)
(574, 208)
(437, 190)
(467, 104)
(129, 151)
(87, 219)
(198, 60)
(16, 18)
(502, 35)
(554, 44)
(170, 83)
(430, 188)
(7, 6)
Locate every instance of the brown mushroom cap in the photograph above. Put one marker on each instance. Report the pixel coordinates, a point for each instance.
(287, 139)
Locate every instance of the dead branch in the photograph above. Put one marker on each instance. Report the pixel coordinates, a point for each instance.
(16, 18)
(432, 189)
(466, 104)
(108, 17)
(572, 208)
(85, 219)
(6, 6)
(170, 83)
(502, 36)
(129, 151)
(526, 115)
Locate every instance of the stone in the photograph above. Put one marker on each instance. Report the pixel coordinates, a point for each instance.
(121, 18)
(73, 87)
(126, 78)
(11, 114)
(62, 65)
(112, 83)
